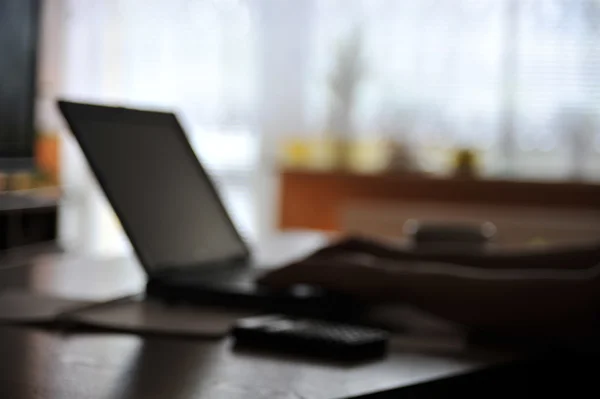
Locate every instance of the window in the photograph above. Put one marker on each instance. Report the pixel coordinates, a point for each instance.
(518, 80)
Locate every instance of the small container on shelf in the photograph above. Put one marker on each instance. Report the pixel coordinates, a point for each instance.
(449, 236)
(466, 164)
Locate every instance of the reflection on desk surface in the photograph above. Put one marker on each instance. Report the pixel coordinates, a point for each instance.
(123, 366)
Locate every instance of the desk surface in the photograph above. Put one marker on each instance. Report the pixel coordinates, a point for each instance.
(43, 364)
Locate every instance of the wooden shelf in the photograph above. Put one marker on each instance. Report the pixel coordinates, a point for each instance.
(312, 199)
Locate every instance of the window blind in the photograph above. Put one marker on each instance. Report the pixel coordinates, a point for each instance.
(516, 79)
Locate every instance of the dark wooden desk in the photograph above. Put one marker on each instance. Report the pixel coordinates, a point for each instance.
(43, 364)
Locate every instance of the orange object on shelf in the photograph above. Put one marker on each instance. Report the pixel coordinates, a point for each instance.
(47, 156)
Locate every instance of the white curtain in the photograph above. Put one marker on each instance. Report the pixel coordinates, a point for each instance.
(517, 80)
(197, 57)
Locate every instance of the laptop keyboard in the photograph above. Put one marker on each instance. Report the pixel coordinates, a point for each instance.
(245, 277)
(242, 277)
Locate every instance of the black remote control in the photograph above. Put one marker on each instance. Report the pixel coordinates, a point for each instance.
(310, 337)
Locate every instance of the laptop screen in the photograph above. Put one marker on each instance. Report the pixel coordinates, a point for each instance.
(162, 196)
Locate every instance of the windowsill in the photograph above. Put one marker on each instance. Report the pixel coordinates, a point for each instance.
(313, 199)
(483, 178)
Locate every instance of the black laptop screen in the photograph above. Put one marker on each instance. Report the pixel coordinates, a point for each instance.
(165, 201)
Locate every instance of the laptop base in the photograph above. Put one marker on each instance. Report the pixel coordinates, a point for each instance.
(301, 301)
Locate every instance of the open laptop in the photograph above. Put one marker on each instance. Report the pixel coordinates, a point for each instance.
(172, 213)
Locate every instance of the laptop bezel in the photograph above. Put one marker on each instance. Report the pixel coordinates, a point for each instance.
(74, 110)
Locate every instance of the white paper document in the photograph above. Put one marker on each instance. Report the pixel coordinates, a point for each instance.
(144, 316)
(23, 307)
(132, 314)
